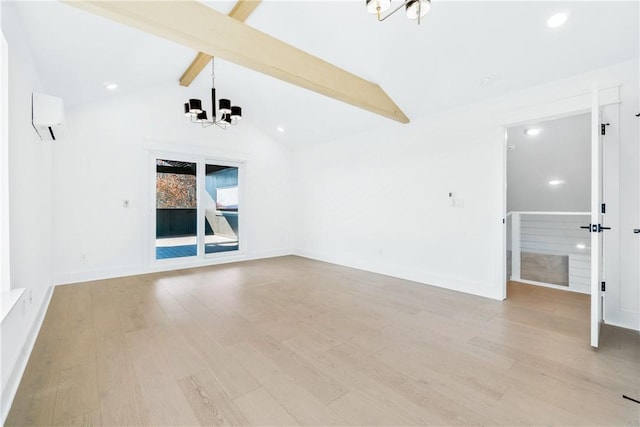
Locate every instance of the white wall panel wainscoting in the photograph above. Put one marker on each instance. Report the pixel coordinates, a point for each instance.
(554, 246)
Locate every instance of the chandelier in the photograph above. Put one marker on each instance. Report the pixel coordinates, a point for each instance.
(227, 114)
(415, 9)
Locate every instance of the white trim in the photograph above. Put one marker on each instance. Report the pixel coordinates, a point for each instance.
(200, 259)
(417, 276)
(175, 148)
(547, 213)
(516, 253)
(551, 285)
(111, 273)
(9, 300)
(563, 107)
(5, 247)
(11, 388)
(549, 110)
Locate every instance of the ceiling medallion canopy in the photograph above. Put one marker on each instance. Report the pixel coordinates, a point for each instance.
(415, 9)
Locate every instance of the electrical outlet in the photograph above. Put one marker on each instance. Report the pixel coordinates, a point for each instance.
(83, 257)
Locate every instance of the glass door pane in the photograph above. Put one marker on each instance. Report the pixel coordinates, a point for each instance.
(221, 207)
(176, 209)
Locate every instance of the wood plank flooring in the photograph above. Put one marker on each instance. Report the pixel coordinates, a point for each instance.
(291, 341)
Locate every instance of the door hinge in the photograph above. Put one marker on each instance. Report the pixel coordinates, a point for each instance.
(603, 128)
(602, 286)
(603, 208)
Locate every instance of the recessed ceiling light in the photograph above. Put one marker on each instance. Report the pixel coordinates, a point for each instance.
(556, 182)
(280, 129)
(557, 20)
(581, 246)
(485, 80)
(533, 131)
(111, 86)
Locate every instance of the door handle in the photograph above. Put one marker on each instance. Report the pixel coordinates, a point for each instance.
(596, 228)
(636, 230)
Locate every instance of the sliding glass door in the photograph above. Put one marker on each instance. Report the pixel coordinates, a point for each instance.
(197, 208)
(176, 209)
(221, 205)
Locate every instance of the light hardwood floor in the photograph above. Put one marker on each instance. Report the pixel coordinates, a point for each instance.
(290, 341)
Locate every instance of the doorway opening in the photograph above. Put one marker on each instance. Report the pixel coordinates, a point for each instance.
(601, 104)
(549, 203)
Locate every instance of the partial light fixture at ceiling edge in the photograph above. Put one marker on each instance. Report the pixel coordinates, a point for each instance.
(415, 9)
(229, 114)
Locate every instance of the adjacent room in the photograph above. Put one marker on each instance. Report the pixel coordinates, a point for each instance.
(372, 212)
(548, 203)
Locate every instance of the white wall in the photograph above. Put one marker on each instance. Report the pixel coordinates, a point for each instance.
(30, 220)
(622, 298)
(5, 252)
(105, 159)
(378, 201)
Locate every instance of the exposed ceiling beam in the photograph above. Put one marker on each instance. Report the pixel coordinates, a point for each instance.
(241, 11)
(204, 29)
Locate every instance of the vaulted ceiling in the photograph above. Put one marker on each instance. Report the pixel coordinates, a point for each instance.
(425, 69)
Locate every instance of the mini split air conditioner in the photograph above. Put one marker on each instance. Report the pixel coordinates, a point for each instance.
(47, 116)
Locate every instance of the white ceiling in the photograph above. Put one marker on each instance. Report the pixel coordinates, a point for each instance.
(425, 69)
(562, 151)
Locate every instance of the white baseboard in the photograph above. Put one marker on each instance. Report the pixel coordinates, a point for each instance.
(111, 273)
(622, 319)
(478, 288)
(11, 388)
(580, 290)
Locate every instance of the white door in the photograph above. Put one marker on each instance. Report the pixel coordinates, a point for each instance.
(596, 218)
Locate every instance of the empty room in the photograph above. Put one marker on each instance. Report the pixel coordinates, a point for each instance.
(350, 213)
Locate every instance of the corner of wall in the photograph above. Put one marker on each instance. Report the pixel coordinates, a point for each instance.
(13, 380)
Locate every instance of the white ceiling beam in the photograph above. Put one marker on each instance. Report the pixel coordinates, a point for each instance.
(204, 29)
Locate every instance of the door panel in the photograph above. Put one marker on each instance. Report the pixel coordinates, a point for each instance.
(176, 209)
(221, 208)
(596, 218)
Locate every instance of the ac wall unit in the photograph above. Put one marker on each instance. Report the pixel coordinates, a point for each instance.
(47, 116)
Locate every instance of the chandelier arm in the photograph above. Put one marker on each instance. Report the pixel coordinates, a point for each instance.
(394, 10)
